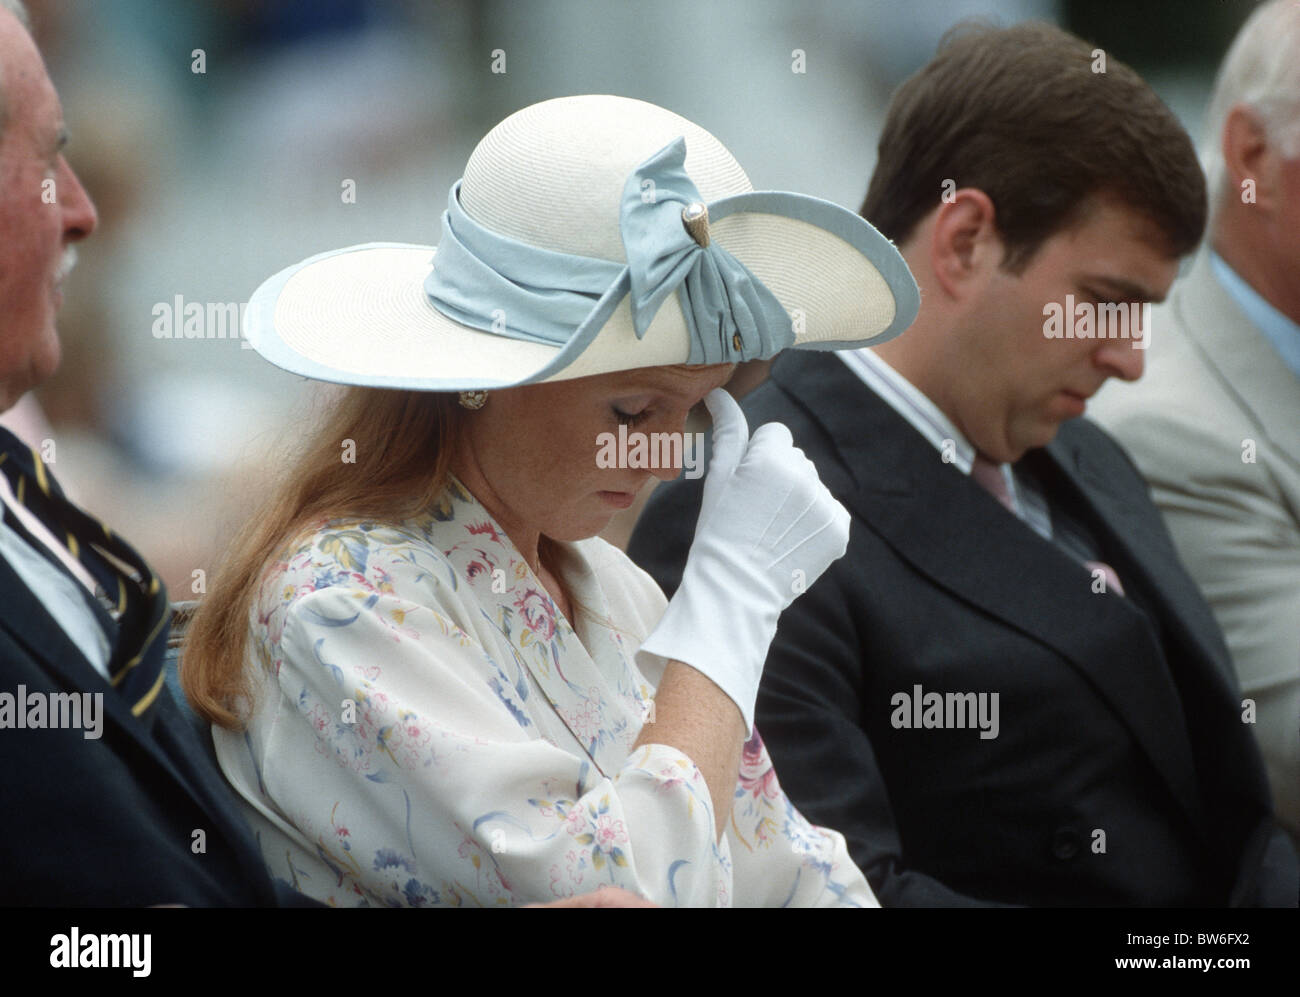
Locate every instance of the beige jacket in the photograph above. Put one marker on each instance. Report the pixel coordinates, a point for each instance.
(1214, 425)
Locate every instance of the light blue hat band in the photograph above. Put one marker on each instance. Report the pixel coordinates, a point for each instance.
(499, 285)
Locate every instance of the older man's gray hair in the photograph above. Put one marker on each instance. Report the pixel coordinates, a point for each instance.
(16, 8)
(1262, 72)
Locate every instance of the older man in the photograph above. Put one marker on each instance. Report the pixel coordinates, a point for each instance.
(1009, 690)
(112, 799)
(1215, 424)
(110, 796)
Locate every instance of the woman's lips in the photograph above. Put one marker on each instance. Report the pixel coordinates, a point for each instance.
(619, 500)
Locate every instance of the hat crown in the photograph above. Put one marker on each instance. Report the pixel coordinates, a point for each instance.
(552, 175)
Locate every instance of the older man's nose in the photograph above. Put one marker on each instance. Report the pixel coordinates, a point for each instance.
(79, 215)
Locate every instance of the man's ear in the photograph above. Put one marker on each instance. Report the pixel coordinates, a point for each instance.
(1249, 156)
(965, 248)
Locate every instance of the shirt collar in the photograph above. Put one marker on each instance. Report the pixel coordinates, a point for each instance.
(929, 420)
(1280, 331)
(909, 402)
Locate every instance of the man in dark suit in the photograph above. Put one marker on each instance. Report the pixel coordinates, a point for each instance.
(110, 799)
(1008, 690)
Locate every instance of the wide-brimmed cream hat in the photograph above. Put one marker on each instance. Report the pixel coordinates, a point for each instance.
(588, 234)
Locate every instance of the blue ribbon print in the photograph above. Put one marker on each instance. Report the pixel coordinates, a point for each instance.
(500, 285)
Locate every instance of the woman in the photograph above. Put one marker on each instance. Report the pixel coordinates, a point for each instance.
(432, 683)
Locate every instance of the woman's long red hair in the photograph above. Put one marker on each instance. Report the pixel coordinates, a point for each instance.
(403, 443)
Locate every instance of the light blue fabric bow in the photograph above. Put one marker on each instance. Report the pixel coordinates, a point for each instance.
(719, 295)
(500, 285)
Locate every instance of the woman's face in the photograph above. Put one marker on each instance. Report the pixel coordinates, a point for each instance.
(536, 458)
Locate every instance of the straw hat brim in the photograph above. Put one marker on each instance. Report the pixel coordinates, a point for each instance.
(360, 315)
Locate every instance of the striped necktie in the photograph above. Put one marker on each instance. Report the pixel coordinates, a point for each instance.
(136, 595)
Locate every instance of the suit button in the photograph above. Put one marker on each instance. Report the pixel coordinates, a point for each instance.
(1065, 843)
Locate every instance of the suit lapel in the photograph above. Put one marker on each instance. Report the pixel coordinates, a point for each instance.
(1241, 356)
(945, 526)
(1136, 545)
(1132, 534)
(26, 620)
(28, 623)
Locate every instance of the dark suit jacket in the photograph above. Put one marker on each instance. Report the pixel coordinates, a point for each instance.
(110, 822)
(1120, 721)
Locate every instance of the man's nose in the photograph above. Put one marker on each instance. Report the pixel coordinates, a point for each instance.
(1120, 358)
(79, 216)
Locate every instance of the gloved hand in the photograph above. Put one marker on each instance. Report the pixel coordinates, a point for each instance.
(764, 517)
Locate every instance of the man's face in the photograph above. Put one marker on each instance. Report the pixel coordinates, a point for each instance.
(1011, 385)
(1286, 234)
(38, 220)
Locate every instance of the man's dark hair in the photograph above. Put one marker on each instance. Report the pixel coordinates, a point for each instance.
(1027, 115)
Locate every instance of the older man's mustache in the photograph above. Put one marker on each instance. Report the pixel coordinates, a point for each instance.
(66, 264)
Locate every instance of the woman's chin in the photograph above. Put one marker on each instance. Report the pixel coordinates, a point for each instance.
(575, 530)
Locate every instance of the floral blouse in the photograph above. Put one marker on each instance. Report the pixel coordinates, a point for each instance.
(430, 730)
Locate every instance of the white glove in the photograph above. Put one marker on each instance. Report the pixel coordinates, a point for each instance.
(767, 530)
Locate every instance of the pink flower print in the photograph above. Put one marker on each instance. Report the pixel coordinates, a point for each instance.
(609, 832)
(669, 778)
(484, 528)
(538, 613)
(558, 889)
(757, 775)
(575, 822)
(320, 720)
(575, 863)
(415, 734)
(545, 808)
(584, 722)
(274, 624)
(271, 580)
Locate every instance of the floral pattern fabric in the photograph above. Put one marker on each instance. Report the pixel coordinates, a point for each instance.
(429, 730)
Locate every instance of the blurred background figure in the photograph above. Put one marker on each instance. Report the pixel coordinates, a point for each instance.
(1214, 425)
(224, 139)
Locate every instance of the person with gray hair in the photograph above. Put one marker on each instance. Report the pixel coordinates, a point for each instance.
(119, 804)
(16, 8)
(1213, 425)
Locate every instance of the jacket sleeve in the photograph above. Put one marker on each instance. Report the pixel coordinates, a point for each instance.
(811, 707)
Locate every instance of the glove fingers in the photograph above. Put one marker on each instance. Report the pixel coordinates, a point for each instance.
(772, 437)
(730, 432)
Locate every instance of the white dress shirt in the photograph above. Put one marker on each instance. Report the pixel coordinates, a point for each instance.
(908, 401)
(56, 591)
